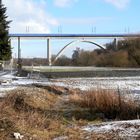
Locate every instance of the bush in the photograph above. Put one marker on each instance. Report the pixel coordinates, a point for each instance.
(110, 103)
(29, 111)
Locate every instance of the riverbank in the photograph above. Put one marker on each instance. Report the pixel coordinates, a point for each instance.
(65, 72)
(47, 112)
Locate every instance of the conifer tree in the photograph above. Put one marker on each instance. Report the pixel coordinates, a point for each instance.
(5, 47)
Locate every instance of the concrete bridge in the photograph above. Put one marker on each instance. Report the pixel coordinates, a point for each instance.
(79, 38)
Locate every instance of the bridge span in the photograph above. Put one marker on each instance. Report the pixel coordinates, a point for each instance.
(79, 37)
(71, 36)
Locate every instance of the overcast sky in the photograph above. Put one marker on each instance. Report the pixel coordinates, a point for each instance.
(73, 16)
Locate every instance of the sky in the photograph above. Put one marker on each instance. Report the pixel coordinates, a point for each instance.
(69, 16)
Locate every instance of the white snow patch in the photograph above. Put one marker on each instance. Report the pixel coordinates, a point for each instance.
(18, 136)
(6, 88)
(123, 128)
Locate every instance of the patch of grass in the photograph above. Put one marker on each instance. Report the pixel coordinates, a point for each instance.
(32, 112)
(54, 69)
(110, 103)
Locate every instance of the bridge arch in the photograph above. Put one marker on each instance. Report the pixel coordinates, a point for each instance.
(75, 42)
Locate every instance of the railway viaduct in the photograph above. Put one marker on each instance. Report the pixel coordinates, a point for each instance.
(77, 38)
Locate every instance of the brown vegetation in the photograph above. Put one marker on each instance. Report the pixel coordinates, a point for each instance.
(39, 114)
(110, 103)
(33, 112)
(125, 54)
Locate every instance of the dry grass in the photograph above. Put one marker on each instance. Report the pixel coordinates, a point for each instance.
(110, 103)
(31, 112)
(39, 114)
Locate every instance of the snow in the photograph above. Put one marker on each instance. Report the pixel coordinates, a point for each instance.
(6, 88)
(10, 82)
(130, 86)
(122, 128)
(125, 84)
(18, 136)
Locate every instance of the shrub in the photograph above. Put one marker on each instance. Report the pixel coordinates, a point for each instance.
(110, 103)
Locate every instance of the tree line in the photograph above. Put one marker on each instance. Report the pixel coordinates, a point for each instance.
(126, 53)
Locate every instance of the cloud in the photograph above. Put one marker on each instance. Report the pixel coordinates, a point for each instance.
(121, 4)
(83, 21)
(31, 14)
(64, 3)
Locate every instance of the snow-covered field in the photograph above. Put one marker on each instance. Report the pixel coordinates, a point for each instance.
(131, 84)
(125, 83)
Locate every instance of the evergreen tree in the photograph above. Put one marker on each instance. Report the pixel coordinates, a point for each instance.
(5, 47)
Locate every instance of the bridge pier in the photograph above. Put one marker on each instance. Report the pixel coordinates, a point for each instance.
(19, 57)
(115, 44)
(48, 52)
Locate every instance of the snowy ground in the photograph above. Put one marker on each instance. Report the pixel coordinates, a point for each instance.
(9, 82)
(131, 84)
(123, 129)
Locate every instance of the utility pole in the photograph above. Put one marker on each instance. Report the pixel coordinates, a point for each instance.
(0, 2)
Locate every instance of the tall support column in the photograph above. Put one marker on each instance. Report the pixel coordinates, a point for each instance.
(115, 44)
(18, 49)
(19, 57)
(48, 52)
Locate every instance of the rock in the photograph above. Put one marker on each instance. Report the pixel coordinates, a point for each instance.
(18, 136)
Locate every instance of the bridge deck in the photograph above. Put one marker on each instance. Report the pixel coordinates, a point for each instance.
(42, 36)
